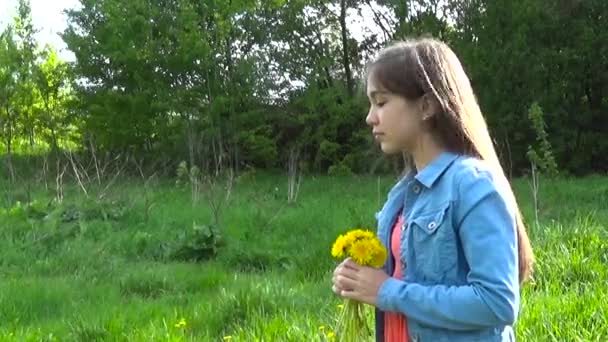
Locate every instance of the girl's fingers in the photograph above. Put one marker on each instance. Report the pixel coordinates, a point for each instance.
(349, 294)
(336, 289)
(350, 263)
(345, 283)
(345, 277)
(348, 273)
(340, 265)
(355, 295)
(347, 268)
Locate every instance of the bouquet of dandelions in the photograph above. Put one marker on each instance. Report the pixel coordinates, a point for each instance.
(364, 247)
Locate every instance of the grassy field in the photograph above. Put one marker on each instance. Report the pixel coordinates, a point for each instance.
(120, 268)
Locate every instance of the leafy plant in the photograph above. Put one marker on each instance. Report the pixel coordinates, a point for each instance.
(540, 156)
(200, 243)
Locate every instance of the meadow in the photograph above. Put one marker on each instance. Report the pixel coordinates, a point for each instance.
(146, 263)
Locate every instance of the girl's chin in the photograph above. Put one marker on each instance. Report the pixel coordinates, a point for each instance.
(389, 149)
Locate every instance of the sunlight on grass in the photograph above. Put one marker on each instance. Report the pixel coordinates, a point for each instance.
(104, 271)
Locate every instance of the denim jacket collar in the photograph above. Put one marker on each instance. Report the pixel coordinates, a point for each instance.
(429, 174)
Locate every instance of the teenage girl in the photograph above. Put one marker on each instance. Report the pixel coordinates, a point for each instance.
(458, 249)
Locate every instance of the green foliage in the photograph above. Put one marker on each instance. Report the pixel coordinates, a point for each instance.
(187, 176)
(200, 243)
(34, 92)
(52, 79)
(541, 156)
(211, 83)
(508, 60)
(339, 169)
(238, 85)
(259, 147)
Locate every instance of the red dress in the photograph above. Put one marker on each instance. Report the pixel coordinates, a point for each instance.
(395, 324)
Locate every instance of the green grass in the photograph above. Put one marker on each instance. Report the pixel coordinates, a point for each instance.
(105, 270)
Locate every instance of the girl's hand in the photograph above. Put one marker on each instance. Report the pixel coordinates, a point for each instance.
(360, 283)
(345, 264)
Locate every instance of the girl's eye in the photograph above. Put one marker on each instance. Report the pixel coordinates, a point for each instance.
(380, 104)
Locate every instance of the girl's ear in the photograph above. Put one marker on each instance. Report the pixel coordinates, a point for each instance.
(429, 106)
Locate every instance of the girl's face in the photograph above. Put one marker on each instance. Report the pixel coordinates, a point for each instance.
(396, 121)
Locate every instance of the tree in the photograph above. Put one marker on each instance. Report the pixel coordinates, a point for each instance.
(243, 82)
(8, 94)
(26, 58)
(52, 81)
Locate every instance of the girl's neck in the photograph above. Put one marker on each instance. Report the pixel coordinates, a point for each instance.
(426, 152)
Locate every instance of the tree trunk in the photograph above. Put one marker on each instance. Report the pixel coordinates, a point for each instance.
(54, 142)
(345, 57)
(190, 141)
(9, 146)
(9, 156)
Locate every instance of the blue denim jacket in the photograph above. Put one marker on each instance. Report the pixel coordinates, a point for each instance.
(459, 251)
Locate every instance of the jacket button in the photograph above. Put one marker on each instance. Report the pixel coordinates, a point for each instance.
(432, 225)
(416, 188)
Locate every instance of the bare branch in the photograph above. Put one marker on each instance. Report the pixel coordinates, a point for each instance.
(77, 173)
(59, 181)
(95, 162)
(378, 18)
(294, 176)
(110, 183)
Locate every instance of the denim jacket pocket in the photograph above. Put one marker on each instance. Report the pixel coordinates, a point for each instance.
(434, 243)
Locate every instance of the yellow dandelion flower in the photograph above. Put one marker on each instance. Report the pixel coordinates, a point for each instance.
(227, 338)
(337, 250)
(362, 245)
(347, 240)
(360, 252)
(363, 234)
(357, 234)
(378, 254)
(181, 323)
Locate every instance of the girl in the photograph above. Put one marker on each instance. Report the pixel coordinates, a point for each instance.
(458, 249)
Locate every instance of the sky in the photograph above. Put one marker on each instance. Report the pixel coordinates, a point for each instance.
(48, 18)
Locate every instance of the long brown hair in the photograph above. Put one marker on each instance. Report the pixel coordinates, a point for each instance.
(424, 66)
